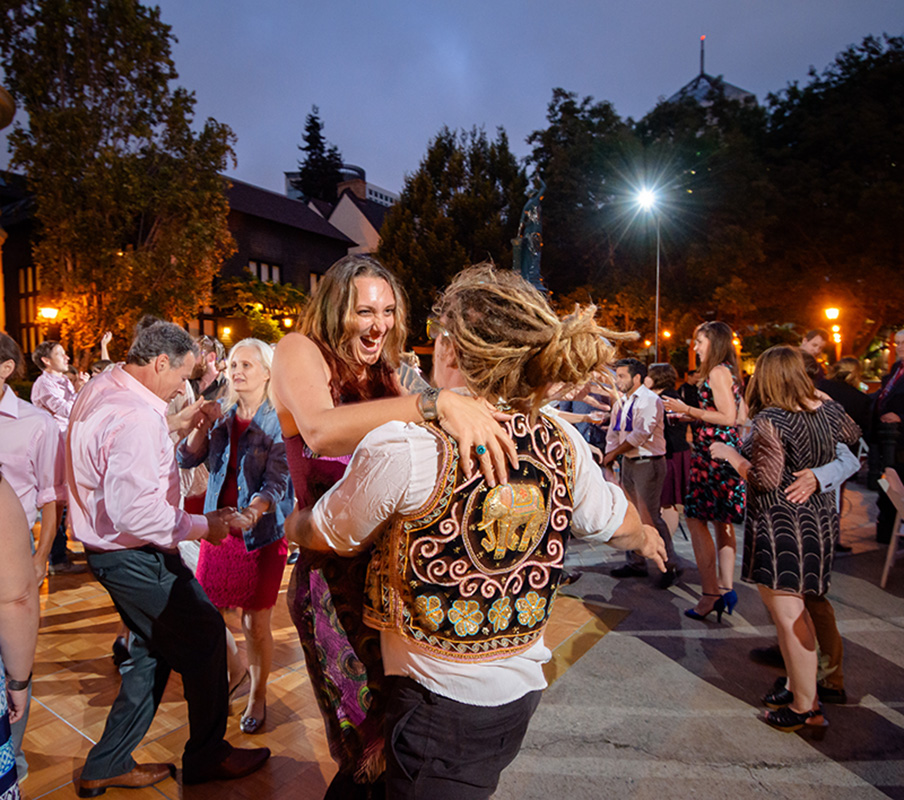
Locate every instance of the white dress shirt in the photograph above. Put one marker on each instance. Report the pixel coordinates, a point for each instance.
(639, 420)
(31, 454)
(393, 472)
(121, 470)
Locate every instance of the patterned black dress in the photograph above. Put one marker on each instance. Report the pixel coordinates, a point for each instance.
(790, 546)
(715, 492)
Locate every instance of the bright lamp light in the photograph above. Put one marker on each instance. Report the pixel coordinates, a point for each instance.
(646, 199)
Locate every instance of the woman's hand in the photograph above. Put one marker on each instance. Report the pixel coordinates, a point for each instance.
(474, 423)
(243, 520)
(721, 451)
(675, 405)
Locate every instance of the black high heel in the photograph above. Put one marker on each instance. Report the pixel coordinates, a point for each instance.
(787, 720)
(718, 607)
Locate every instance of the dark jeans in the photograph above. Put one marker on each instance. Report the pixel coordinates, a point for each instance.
(440, 749)
(58, 553)
(174, 627)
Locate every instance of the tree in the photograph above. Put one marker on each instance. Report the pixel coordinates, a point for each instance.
(320, 169)
(264, 305)
(583, 156)
(130, 205)
(835, 154)
(461, 206)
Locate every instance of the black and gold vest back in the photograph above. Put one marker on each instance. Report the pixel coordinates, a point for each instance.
(471, 576)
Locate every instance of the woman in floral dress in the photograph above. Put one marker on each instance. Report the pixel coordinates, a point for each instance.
(715, 492)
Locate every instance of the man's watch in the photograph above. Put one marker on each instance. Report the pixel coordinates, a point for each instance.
(426, 403)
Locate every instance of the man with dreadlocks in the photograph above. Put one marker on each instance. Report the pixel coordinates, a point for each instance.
(463, 574)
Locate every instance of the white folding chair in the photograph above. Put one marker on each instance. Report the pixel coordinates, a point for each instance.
(892, 486)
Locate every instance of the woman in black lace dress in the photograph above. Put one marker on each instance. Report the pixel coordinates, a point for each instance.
(788, 546)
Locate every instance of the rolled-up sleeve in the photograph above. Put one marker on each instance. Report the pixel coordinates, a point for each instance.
(49, 464)
(373, 489)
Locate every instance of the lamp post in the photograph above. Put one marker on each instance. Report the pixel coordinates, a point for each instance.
(646, 199)
(833, 314)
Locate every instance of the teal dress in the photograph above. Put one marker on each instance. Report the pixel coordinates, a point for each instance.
(9, 782)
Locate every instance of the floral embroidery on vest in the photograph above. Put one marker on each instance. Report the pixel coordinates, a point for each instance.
(472, 575)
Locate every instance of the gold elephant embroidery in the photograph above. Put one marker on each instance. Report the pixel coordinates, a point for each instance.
(507, 508)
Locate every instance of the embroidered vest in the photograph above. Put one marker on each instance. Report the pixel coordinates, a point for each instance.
(472, 575)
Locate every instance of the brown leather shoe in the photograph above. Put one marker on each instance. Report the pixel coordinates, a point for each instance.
(142, 775)
(239, 763)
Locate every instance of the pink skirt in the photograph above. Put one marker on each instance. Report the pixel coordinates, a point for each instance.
(234, 578)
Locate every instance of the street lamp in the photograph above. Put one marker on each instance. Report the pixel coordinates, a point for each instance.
(646, 199)
(834, 313)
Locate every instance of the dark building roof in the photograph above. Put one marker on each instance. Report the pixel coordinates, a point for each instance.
(269, 205)
(700, 88)
(322, 206)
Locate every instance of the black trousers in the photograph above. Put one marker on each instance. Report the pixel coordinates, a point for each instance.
(440, 749)
(174, 627)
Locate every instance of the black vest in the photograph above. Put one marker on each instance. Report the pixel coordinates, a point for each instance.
(471, 576)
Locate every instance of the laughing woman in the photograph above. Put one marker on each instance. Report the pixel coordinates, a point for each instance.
(334, 382)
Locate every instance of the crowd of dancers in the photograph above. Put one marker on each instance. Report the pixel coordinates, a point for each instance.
(430, 519)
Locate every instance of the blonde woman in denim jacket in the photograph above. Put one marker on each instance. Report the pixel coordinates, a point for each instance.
(246, 457)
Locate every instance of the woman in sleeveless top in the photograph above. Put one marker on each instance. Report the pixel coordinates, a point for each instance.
(18, 629)
(333, 382)
(715, 492)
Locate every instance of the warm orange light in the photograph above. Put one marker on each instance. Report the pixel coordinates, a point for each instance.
(647, 343)
(832, 313)
(48, 312)
(667, 334)
(837, 337)
(736, 342)
(227, 332)
(836, 328)
(287, 322)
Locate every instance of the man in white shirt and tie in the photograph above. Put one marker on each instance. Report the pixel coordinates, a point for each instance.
(636, 433)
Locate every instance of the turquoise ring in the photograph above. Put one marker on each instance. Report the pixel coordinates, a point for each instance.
(480, 449)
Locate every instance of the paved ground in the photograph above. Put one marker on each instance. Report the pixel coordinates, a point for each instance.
(668, 707)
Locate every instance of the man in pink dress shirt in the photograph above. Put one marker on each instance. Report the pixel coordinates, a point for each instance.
(55, 394)
(123, 498)
(31, 458)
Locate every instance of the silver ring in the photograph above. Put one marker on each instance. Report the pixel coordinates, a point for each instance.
(480, 449)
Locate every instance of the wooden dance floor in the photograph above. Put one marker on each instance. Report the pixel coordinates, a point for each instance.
(75, 683)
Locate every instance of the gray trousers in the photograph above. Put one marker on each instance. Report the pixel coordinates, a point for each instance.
(173, 627)
(642, 482)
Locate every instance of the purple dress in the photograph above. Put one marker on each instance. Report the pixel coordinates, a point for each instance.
(342, 655)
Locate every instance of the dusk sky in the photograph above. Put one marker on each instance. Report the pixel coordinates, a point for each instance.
(388, 75)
